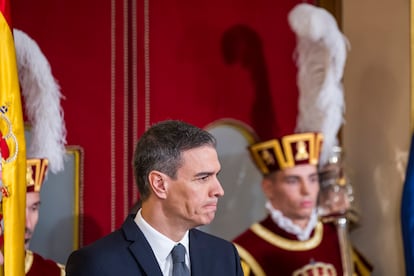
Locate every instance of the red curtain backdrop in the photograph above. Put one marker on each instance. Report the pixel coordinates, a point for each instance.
(123, 65)
(86, 44)
(201, 61)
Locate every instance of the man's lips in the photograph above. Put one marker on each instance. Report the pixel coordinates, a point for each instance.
(306, 204)
(212, 206)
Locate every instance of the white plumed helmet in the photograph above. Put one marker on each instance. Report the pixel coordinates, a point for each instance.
(41, 96)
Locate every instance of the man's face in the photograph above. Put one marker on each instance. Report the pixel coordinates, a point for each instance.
(193, 195)
(32, 215)
(294, 192)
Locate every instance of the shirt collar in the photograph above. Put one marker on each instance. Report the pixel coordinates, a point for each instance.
(160, 244)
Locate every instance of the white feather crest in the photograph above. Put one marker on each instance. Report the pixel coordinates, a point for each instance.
(321, 55)
(42, 102)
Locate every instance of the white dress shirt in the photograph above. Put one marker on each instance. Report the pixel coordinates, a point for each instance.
(162, 245)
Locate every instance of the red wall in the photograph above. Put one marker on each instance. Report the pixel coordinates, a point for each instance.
(123, 65)
(77, 38)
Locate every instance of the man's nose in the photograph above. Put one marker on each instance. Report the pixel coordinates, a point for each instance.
(29, 223)
(305, 187)
(219, 191)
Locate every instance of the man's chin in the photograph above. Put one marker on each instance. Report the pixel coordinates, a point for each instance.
(305, 215)
(205, 220)
(209, 218)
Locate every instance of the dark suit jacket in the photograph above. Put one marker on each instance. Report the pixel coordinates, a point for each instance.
(126, 252)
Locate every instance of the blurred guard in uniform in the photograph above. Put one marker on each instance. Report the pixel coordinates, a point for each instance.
(293, 239)
(46, 143)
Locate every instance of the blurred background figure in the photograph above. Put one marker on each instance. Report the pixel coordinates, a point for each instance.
(302, 179)
(45, 140)
(36, 265)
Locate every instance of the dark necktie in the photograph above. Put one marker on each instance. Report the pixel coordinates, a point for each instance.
(179, 266)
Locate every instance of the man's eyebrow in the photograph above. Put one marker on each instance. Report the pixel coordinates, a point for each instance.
(291, 177)
(207, 173)
(34, 204)
(203, 174)
(314, 174)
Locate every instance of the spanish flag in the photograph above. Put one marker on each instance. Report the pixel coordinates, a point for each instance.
(13, 150)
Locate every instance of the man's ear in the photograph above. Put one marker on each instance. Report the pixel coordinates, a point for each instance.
(158, 182)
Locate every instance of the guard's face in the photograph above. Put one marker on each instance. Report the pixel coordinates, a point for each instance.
(294, 192)
(193, 195)
(32, 215)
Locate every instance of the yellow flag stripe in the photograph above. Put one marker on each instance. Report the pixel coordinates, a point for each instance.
(14, 167)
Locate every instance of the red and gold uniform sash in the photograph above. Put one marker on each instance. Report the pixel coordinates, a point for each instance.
(266, 249)
(36, 265)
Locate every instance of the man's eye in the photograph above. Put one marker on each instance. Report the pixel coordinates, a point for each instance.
(204, 178)
(34, 208)
(291, 180)
(314, 179)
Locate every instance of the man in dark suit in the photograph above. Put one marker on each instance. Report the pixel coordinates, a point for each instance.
(176, 167)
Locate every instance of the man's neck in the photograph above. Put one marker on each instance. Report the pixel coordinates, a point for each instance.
(301, 231)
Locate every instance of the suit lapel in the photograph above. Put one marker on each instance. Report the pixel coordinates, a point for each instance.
(197, 253)
(140, 248)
